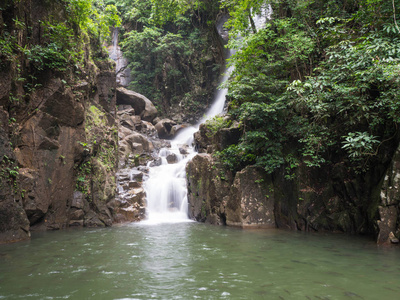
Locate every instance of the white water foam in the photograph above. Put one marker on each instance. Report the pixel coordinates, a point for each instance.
(121, 67)
(260, 19)
(166, 190)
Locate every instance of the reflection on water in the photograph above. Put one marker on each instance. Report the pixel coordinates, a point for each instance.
(196, 261)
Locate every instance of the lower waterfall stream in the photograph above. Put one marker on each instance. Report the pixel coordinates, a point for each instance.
(166, 190)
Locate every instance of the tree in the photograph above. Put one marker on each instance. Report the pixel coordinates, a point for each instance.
(321, 80)
(170, 48)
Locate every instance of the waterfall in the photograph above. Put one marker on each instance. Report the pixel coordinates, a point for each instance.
(166, 189)
(219, 102)
(121, 68)
(261, 19)
(115, 52)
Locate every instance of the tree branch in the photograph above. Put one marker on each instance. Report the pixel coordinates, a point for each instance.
(394, 17)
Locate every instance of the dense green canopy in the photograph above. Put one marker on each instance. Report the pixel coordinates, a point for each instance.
(318, 84)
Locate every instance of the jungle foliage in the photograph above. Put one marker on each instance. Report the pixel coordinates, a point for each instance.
(319, 83)
(53, 43)
(172, 51)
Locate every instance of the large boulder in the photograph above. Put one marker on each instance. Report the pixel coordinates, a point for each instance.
(251, 202)
(207, 141)
(147, 129)
(136, 138)
(207, 190)
(142, 106)
(129, 122)
(138, 143)
(165, 128)
(248, 202)
(128, 119)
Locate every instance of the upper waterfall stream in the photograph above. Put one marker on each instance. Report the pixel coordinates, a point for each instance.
(166, 190)
(121, 63)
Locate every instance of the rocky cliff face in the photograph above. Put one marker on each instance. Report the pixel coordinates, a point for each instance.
(389, 203)
(137, 141)
(58, 141)
(14, 224)
(315, 199)
(217, 198)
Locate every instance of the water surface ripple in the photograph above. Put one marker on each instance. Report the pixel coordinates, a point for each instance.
(196, 261)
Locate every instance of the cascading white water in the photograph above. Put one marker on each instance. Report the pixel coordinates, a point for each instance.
(123, 73)
(166, 190)
(114, 53)
(219, 103)
(261, 19)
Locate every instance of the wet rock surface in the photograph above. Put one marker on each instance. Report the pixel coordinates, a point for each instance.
(138, 147)
(130, 203)
(168, 129)
(135, 150)
(164, 128)
(135, 144)
(172, 158)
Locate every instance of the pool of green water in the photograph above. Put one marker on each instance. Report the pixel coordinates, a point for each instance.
(197, 261)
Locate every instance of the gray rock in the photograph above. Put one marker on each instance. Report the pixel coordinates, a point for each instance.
(183, 150)
(124, 108)
(142, 106)
(165, 128)
(76, 214)
(172, 158)
(136, 175)
(77, 200)
(73, 223)
(147, 128)
(157, 162)
(123, 177)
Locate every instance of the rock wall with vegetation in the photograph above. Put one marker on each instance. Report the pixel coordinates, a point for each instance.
(310, 141)
(328, 198)
(58, 133)
(313, 105)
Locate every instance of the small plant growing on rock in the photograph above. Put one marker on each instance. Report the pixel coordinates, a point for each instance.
(215, 124)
